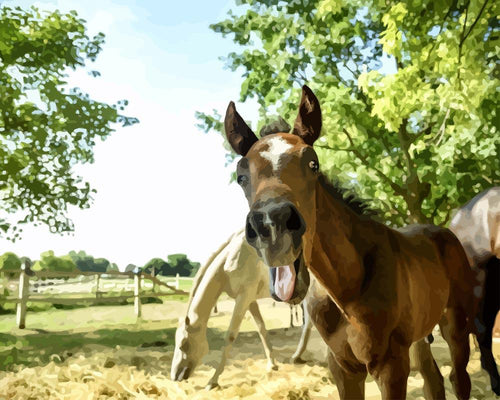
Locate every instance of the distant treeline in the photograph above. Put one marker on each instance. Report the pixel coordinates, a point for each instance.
(175, 264)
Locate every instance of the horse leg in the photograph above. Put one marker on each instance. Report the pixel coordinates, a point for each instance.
(350, 384)
(261, 328)
(304, 338)
(391, 372)
(485, 320)
(240, 308)
(454, 329)
(426, 365)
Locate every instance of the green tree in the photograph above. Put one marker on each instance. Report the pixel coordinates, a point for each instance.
(50, 262)
(46, 128)
(101, 265)
(112, 267)
(181, 265)
(82, 260)
(130, 268)
(85, 262)
(9, 262)
(159, 266)
(419, 140)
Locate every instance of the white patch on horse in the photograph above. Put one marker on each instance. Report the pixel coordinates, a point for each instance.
(277, 147)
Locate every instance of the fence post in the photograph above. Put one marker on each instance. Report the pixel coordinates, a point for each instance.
(137, 293)
(97, 279)
(23, 297)
(177, 281)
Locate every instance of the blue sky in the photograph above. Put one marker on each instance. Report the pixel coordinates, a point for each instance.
(162, 185)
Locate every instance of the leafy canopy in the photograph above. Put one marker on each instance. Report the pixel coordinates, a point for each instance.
(420, 138)
(50, 262)
(9, 262)
(45, 127)
(85, 262)
(175, 264)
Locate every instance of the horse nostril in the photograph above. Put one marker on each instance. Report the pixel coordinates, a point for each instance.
(250, 232)
(264, 231)
(294, 222)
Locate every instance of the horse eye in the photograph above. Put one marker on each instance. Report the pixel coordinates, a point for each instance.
(242, 179)
(314, 165)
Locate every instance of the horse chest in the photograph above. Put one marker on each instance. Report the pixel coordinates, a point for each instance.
(366, 347)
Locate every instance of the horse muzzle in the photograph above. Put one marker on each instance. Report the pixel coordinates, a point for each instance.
(182, 374)
(275, 230)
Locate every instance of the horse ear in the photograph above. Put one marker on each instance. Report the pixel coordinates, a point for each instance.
(239, 135)
(308, 122)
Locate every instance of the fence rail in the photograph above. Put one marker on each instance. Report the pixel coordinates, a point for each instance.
(137, 294)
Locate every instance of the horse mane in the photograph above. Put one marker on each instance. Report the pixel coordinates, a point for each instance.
(347, 197)
(276, 126)
(201, 272)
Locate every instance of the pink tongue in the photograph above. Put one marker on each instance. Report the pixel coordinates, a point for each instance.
(284, 282)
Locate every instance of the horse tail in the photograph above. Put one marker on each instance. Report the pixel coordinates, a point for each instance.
(201, 272)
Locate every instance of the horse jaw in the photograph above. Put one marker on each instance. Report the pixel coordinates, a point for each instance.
(186, 359)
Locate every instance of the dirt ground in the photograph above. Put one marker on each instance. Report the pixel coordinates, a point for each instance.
(139, 367)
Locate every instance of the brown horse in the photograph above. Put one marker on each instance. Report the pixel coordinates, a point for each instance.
(392, 287)
(477, 226)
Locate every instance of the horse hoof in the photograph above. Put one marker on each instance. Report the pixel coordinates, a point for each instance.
(211, 386)
(272, 367)
(297, 360)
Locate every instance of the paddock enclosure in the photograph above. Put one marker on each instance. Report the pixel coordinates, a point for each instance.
(105, 352)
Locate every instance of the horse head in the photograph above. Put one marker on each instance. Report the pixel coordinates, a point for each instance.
(191, 346)
(278, 174)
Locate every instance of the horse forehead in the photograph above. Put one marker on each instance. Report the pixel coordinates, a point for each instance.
(274, 149)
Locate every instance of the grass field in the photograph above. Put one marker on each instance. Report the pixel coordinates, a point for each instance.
(104, 352)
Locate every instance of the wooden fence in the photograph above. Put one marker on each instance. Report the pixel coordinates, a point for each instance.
(24, 294)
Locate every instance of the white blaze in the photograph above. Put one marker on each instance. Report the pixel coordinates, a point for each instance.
(277, 147)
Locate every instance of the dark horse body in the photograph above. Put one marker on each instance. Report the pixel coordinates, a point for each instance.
(391, 287)
(477, 226)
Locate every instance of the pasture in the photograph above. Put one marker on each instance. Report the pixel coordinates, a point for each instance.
(104, 352)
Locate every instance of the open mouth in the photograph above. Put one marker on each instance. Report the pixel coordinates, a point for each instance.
(283, 280)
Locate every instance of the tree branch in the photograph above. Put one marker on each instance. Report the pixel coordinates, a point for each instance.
(442, 128)
(424, 131)
(462, 35)
(355, 75)
(397, 189)
(404, 144)
(453, 5)
(333, 148)
(387, 146)
(474, 23)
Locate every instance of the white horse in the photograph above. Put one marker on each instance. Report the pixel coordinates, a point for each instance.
(235, 269)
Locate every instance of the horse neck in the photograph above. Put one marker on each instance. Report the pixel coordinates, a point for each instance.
(335, 258)
(206, 295)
